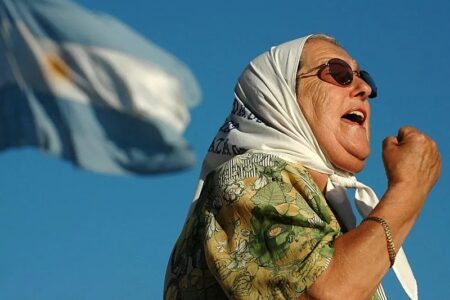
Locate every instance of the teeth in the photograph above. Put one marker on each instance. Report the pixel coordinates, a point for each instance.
(358, 113)
(355, 116)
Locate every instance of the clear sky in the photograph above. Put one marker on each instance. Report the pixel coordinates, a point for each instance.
(66, 233)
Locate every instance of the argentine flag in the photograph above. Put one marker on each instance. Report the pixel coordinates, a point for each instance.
(85, 87)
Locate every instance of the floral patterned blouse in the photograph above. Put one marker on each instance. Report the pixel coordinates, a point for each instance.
(261, 229)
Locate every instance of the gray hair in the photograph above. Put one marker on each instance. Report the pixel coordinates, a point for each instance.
(319, 36)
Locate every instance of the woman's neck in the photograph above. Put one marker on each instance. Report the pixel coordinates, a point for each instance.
(321, 179)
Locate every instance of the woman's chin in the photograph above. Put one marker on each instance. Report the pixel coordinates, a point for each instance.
(350, 157)
(352, 166)
(352, 163)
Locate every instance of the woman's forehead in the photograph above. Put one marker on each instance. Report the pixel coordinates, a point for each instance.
(320, 51)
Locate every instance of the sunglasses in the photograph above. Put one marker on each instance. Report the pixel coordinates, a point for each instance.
(342, 74)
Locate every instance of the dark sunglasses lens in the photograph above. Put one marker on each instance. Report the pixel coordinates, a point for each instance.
(369, 80)
(340, 71)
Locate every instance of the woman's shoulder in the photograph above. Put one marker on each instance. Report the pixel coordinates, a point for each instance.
(254, 171)
(254, 164)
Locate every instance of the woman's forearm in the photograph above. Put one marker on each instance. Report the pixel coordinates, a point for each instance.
(361, 256)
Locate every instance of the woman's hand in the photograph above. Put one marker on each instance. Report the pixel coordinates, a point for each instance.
(411, 160)
(361, 259)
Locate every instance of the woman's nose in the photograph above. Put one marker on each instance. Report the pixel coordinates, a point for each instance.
(360, 88)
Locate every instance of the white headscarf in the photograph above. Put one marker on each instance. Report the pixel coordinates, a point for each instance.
(266, 117)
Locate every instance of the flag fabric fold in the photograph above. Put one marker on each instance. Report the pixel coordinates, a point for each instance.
(85, 87)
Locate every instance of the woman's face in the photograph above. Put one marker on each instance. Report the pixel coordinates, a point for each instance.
(328, 108)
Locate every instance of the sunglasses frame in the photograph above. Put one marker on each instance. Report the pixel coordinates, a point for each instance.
(364, 75)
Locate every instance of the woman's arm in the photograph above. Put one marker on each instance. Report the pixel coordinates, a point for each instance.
(361, 259)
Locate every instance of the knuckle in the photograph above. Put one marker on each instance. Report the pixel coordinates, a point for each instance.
(434, 144)
(408, 129)
(421, 137)
(388, 143)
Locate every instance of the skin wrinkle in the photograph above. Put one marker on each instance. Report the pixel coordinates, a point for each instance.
(314, 91)
(323, 104)
(412, 164)
(360, 258)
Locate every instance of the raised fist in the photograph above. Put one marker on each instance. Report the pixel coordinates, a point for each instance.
(412, 160)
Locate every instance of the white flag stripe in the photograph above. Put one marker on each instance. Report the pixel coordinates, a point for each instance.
(89, 89)
(151, 92)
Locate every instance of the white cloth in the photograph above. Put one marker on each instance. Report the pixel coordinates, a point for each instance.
(266, 117)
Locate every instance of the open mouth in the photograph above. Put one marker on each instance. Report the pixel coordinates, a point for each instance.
(355, 117)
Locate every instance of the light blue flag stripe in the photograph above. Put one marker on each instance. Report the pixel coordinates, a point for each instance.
(67, 95)
(64, 21)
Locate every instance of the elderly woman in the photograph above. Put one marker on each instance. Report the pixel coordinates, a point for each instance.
(271, 218)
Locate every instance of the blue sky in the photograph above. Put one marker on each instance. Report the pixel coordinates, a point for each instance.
(70, 234)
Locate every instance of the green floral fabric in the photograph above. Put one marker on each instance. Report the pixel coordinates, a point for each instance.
(261, 229)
